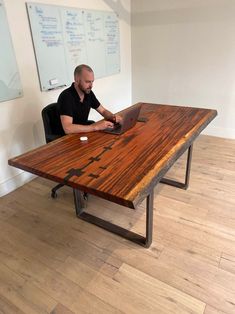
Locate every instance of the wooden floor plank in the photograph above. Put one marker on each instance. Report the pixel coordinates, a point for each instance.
(7, 307)
(211, 310)
(164, 298)
(20, 295)
(227, 262)
(57, 287)
(143, 294)
(61, 309)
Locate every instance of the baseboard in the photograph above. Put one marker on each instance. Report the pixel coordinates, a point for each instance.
(220, 132)
(15, 182)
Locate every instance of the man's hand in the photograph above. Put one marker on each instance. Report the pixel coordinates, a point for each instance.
(109, 116)
(115, 119)
(118, 119)
(101, 125)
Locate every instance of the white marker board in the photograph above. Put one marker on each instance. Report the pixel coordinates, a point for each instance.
(66, 37)
(10, 85)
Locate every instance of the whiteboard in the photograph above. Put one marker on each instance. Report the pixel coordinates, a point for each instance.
(65, 37)
(10, 85)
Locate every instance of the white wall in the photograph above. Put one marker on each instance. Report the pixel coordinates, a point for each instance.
(20, 119)
(183, 53)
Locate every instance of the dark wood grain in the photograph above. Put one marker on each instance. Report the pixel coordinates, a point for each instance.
(120, 168)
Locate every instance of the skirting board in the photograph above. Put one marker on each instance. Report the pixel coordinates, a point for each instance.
(220, 132)
(15, 182)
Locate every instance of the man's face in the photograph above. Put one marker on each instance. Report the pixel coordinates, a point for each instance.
(85, 81)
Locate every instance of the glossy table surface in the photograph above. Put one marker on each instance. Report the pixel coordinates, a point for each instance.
(120, 168)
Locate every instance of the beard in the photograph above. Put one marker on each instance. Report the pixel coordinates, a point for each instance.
(84, 90)
(87, 91)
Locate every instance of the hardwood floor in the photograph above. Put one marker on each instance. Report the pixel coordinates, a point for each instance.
(52, 262)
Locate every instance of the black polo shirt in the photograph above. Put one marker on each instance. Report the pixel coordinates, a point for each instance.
(69, 104)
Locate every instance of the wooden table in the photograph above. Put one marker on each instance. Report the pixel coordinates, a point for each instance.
(121, 168)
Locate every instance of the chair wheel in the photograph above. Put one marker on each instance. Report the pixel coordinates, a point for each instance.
(53, 194)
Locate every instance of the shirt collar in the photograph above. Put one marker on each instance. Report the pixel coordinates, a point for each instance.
(75, 92)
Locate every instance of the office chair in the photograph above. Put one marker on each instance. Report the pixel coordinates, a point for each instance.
(53, 129)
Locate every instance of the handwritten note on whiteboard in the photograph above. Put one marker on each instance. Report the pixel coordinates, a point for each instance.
(66, 37)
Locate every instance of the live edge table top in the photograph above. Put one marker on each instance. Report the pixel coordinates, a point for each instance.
(121, 168)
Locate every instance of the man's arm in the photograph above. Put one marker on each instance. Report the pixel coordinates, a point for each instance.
(69, 127)
(109, 116)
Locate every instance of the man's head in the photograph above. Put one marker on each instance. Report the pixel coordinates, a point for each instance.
(83, 78)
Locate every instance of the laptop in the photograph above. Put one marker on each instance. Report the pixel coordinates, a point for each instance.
(129, 119)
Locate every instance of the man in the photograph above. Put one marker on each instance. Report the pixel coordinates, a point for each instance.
(74, 104)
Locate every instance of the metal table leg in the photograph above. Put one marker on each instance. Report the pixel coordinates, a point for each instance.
(125, 233)
(187, 174)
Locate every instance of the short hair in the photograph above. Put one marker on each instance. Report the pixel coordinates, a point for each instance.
(79, 68)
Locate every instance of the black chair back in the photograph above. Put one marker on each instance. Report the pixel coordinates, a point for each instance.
(51, 121)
